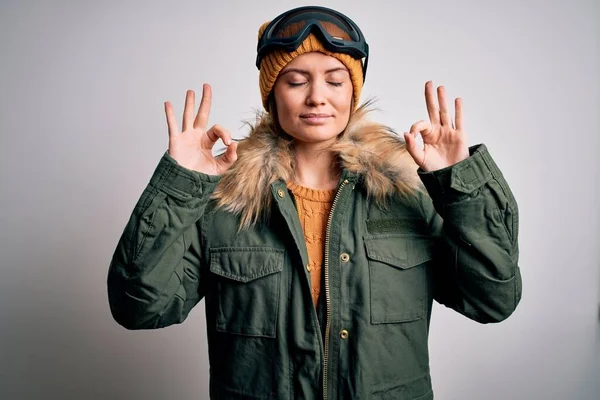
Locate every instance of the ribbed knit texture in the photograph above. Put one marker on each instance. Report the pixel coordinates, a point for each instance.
(313, 209)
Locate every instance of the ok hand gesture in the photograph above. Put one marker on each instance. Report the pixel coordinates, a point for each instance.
(445, 141)
(192, 146)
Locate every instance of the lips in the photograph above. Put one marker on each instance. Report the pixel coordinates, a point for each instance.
(315, 119)
(313, 115)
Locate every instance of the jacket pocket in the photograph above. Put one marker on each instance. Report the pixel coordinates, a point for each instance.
(248, 286)
(398, 276)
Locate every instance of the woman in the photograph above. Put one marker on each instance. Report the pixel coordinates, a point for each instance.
(320, 241)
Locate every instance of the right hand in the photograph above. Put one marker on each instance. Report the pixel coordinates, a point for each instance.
(192, 146)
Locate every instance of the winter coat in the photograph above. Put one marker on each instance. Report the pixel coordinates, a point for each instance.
(397, 239)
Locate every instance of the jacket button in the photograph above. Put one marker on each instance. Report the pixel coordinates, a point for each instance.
(281, 193)
(308, 267)
(345, 257)
(344, 334)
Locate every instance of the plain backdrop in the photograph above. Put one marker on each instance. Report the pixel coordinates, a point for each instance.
(82, 87)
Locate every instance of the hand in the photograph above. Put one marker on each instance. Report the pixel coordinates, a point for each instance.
(192, 147)
(445, 141)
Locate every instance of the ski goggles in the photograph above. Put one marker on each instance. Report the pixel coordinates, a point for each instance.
(338, 33)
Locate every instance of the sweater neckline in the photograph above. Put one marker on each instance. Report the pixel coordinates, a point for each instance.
(319, 195)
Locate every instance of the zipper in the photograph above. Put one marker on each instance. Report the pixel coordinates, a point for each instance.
(328, 300)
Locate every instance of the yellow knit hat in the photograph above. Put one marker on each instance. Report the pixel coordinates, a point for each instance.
(272, 64)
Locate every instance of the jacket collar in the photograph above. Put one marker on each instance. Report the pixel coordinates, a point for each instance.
(368, 152)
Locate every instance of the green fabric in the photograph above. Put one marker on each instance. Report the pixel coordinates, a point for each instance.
(458, 246)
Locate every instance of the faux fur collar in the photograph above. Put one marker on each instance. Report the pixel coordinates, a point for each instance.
(371, 150)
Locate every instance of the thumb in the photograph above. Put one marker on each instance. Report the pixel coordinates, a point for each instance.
(413, 148)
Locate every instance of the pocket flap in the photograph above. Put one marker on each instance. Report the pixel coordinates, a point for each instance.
(245, 264)
(401, 251)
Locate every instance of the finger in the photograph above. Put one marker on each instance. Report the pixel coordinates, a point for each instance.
(230, 155)
(204, 109)
(217, 132)
(444, 114)
(422, 127)
(188, 111)
(430, 100)
(171, 120)
(413, 148)
(458, 110)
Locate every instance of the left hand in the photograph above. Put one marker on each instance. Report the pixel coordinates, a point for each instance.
(444, 140)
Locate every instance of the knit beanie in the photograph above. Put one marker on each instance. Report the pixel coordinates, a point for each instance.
(272, 64)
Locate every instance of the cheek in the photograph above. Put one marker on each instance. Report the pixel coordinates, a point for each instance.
(350, 96)
(288, 106)
(344, 97)
(344, 104)
(283, 111)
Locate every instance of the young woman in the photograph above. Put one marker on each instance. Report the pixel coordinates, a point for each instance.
(320, 241)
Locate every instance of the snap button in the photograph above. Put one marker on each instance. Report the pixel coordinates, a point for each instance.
(308, 267)
(280, 193)
(344, 334)
(345, 257)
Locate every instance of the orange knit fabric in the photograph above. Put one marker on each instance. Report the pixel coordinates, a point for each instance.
(313, 209)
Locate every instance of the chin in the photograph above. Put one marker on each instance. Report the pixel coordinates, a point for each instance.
(313, 135)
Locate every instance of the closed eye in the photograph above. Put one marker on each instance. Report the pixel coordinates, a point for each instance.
(296, 84)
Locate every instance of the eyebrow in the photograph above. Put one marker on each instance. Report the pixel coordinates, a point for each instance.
(305, 72)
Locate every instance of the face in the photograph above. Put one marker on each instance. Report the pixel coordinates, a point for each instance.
(313, 96)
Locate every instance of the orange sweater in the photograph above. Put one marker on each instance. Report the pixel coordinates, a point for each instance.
(313, 209)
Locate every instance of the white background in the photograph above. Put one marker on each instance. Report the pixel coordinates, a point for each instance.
(82, 86)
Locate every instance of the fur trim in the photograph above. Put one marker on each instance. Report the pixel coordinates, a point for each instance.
(374, 151)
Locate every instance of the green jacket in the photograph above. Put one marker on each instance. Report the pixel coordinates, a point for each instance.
(390, 251)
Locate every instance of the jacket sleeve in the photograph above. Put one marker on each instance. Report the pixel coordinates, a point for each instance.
(476, 270)
(154, 278)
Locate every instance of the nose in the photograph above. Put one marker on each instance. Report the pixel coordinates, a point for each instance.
(316, 94)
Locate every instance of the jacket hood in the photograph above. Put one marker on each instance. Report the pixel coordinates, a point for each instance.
(368, 149)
